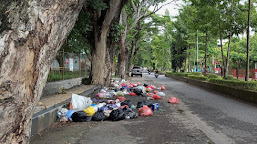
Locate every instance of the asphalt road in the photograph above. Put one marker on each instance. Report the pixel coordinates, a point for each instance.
(200, 117)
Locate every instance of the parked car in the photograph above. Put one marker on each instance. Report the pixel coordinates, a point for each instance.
(137, 70)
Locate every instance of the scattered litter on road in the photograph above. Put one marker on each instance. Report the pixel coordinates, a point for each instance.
(113, 103)
(173, 100)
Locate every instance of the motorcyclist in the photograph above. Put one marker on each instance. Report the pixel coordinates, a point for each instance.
(156, 71)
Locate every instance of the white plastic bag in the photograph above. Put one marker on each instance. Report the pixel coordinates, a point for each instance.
(162, 94)
(80, 102)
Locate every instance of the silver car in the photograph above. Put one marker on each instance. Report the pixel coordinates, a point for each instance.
(137, 70)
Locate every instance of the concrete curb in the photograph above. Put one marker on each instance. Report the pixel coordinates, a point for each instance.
(246, 95)
(45, 118)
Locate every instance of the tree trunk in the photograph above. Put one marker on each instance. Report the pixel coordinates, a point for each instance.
(248, 42)
(123, 57)
(102, 21)
(31, 34)
(226, 68)
(222, 54)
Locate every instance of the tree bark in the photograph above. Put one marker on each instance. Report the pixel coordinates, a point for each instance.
(102, 21)
(185, 67)
(33, 33)
(123, 57)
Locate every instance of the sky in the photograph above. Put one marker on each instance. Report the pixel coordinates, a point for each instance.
(172, 7)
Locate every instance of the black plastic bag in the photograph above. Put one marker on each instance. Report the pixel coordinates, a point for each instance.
(99, 116)
(117, 115)
(145, 85)
(142, 103)
(126, 102)
(129, 113)
(138, 91)
(80, 116)
(144, 95)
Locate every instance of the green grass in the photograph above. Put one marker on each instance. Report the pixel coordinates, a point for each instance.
(57, 76)
(198, 77)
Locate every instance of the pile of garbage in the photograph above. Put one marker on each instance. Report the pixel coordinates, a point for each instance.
(111, 104)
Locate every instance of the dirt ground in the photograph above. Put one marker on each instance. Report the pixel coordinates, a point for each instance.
(54, 99)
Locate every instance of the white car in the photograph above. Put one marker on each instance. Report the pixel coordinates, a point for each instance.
(137, 70)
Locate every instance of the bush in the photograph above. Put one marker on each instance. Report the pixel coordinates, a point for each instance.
(210, 75)
(198, 77)
(229, 77)
(196, 73)
(168, 72)
(251, 85)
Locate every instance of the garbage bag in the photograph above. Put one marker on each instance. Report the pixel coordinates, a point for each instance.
(138, 91)
(145, 85)
(173, 100)
(117, 115)
(123, 106)
(121, 98)
(162, 88)
(129, 114)
(145, 111)
(80, 102)
(80, 116)
(126, 102)
(99, 116)
(156, 97)
(144, 95)
(162, 94)
(148, 89)
(132, 94)
(155, 92)
(89, 111)
(69, 114)
(119, 93)
(142, 103)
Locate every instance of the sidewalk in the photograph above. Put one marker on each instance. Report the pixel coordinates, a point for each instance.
(51, 100)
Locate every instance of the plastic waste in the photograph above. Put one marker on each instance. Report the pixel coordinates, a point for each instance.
(173, 100)
(155, 92)
(142, 103)
(80, 102)
(156, 97)
(145, 111)
(69, 114)
(89, 111)
(99, 116)
(126, 102)
(155, 107)
(121, 98)
(132, 94)
(80, 116)
(117, 115)
(162, 88)
(162, 94)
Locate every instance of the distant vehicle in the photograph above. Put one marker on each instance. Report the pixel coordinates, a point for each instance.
(137, 70)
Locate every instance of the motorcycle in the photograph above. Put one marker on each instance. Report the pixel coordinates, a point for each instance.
(149, 72)
(156, 75)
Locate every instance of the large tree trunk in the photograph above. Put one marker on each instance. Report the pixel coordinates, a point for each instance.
(123, 57)
(102, 23)
(31, 34)
(221, 49)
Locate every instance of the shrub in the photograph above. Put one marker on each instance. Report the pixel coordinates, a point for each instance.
(168, 72)
(251, 85)
(198, 77)
(210, 75)
(229, 77)
(196, 73)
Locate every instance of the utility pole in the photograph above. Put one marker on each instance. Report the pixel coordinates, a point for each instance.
(197, 52)
(248, 42)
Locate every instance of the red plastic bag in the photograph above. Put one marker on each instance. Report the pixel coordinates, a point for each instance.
(121, 98)
(133, 94)
(156, 97)
(145, 111)
(162, 88)
(173, 100)
(124, 84)
(122, 107)
(155, 92)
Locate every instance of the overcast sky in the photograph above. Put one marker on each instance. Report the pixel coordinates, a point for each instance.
(172, 7)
